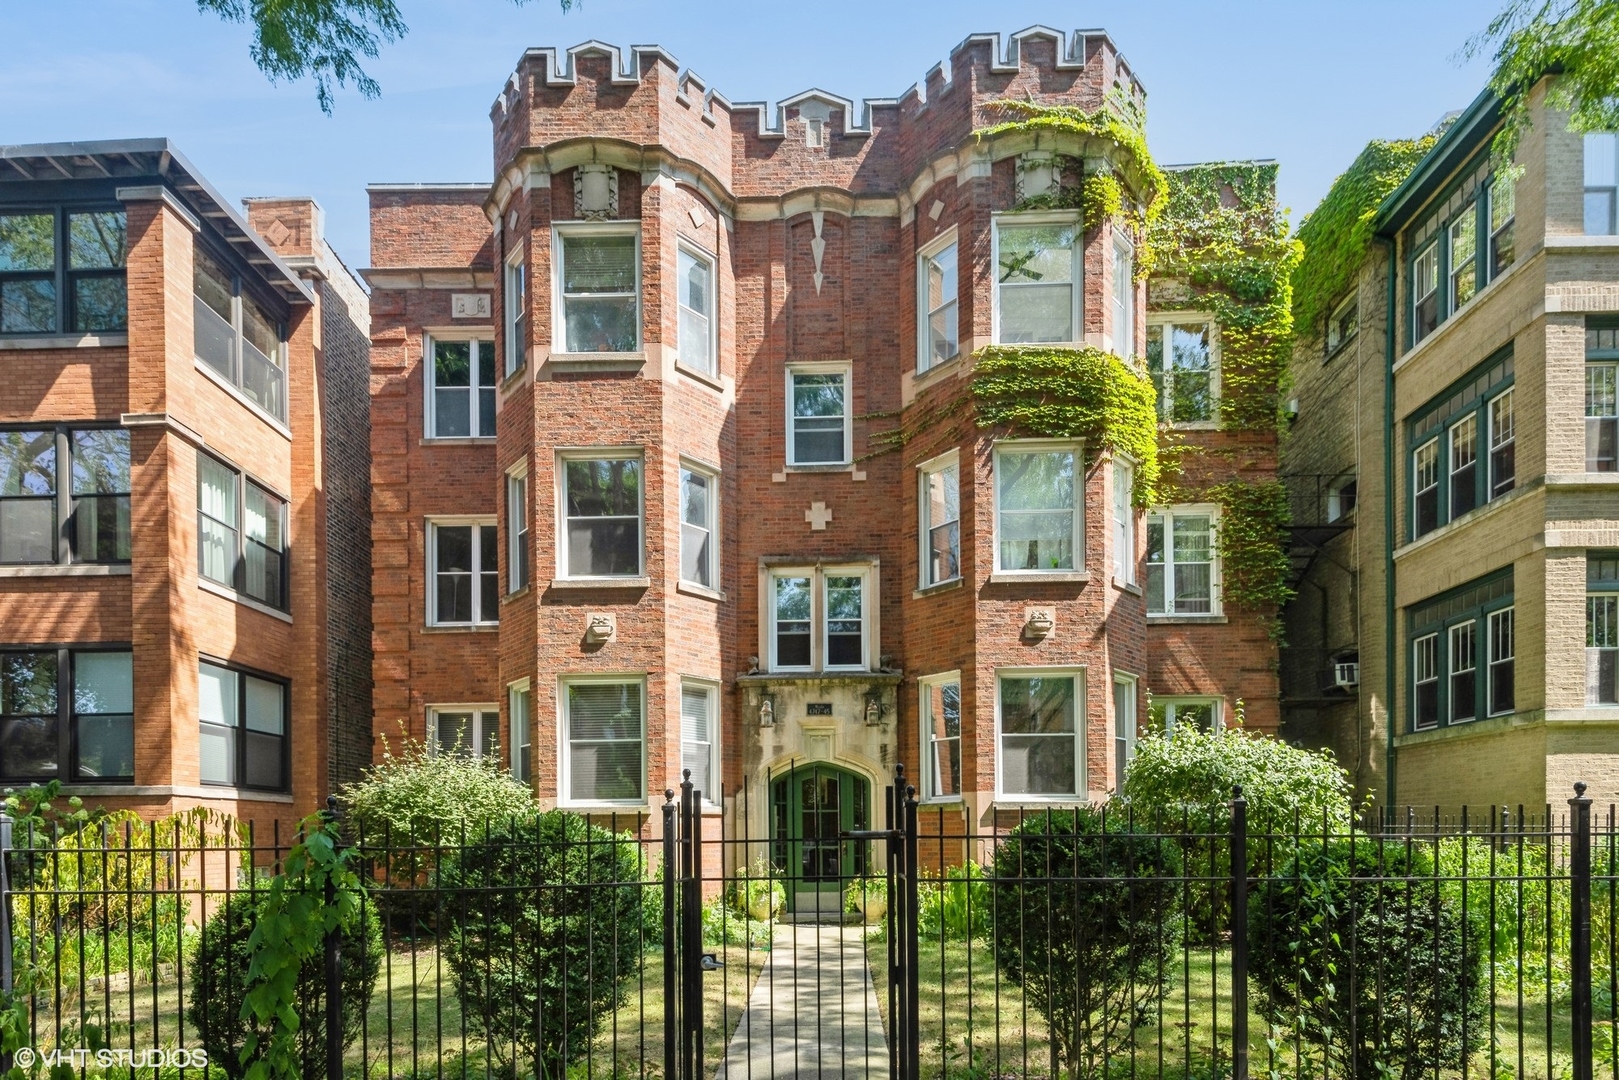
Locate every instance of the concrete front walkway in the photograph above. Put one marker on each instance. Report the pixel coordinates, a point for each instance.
(813, 1012)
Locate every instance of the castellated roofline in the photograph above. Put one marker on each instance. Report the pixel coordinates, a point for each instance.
(1006, 57)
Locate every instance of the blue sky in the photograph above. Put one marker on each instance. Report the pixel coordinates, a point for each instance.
(1306, 82)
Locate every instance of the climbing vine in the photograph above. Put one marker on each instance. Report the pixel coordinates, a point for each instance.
(1337, 233)
(1252, 542)
(295, 916)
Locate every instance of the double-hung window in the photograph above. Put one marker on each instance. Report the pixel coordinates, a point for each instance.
(464, 583)
(516, 311)
(1601, 183)
(1037, 715)
(1464, 447)
(1463, 257)
(1124, 726)
(818, 428)
(1039, 500)
(940, 499)
(937, 299)
(236, 337)
(67, 705)
(700, 736)
(63, 271)
(1182, 363)
(243, 728)
(241, 533)
(1124, 521)
(1182, 568)
(699, 526)
(518, 516)
(1124, 294)
(464, 730)
(51, 474)
(1463, 652)
(1037, 274)
(1425, 485)
(601, 515)
(603, 740)
(694, 274)
(1463, 466)
(822, 618)
(1462, 244)
(940, 702)
(520, 709)
(1602, 628)
(598, 288)
(1502, 214)
(1167, 714)
(461, 390)
(1503, 446)
(1425, 291)
(1601, 397)
(1343, 324)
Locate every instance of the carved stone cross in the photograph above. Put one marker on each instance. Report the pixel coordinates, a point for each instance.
(818, 515)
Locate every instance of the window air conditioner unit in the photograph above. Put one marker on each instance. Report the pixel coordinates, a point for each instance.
(1346, 676)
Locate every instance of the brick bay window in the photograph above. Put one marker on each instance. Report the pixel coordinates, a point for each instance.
(60, 473)
(470, 731)
(1039, 503)
(1601, 396)
(938, 337)
(818, 427)
(62, 271)
(460, 389)
(700, 736)
(463, 557)
(1037, 716)
(237, 338)
(1602, 628)
(518, 547)
(1185, 369)
(699, 526)
(241, 534)
(603, 740)
(940, 704)
(72, 706)
(694, 276)
(598, 288)
(515, 300)
(243, 734)
(939, 497)
(601, 515)
(822, 618)
(1464, 447)
(1463, 654)
(1037, 275)
(1183, 573)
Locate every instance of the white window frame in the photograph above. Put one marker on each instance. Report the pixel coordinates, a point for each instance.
(559, 304)
(480, 343)
(1170, 703)
(925, 524)
(597, 453)
(1158, 324)
(1502, 435)
(712, 689)
(1126, 537)
(1124, 300)
(1464, 224)
(515, 311)
(930, 765)
(519, 529)
(1081, 777)
(1013, 220)
(481, 714)
(1125, 728)
(1470, 628)
(565, 759)
(524, 689)
(710, 366)
(712, 475)
(870, 613)
(431, 548)
(1335, 336)
(847, 372)
(1420, 645)
(924, 315)
(1168, 514)
(1490, 661)
(1036, 446)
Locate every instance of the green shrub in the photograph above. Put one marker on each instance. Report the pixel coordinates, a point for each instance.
(219, 985)
(761, 885)
(955, 907)
(544, 934)
(418, 797)
(1086, 922)
(1364, 950)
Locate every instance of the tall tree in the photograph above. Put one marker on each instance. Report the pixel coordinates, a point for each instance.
(320, 39)
(1578, 40)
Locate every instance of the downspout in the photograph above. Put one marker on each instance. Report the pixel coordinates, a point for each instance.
(1389, 631)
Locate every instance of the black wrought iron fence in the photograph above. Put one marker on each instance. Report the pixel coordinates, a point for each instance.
(822, 927)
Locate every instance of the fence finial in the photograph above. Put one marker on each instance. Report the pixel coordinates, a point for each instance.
(1579, 789)
(669, 794)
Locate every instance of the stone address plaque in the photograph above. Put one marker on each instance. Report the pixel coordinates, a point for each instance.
(818, 708)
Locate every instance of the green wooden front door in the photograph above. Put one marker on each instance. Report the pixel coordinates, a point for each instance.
(810, 807)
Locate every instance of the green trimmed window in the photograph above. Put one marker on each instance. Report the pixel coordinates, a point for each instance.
(1601, 395)
(1463, 650)
(1458, 249)
(1602, 628)
(1463, 447)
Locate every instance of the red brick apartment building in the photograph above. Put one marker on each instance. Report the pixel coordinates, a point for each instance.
(632, 509)
(184, 533)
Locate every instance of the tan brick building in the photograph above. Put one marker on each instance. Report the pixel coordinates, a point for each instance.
(633, 510)
(181, 448)
(1487, 514)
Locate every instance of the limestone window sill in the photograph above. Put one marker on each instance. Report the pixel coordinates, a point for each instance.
(463, 628)
(513, 595)
(66, 341)
(699, 591)
(602, 583)
(1127, 586)
(188, 791)
(1039, 577)
(48, 570)
(473, 440)
(713, 382)
(587, 362)
(231, 594)
(1186, 620)
(938, 587)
